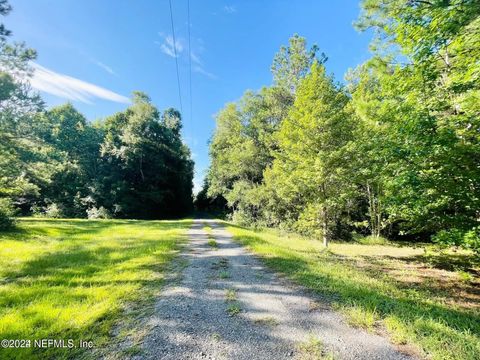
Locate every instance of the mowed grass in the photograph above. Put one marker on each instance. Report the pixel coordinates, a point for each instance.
(429, 302)
(75, 279)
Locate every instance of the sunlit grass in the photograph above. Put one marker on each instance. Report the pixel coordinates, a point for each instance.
(313, 349)
(211, 240)
(413, 294)
(67, 279)
(359, 316)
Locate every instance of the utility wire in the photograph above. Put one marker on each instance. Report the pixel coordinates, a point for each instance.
(189, 59)
(176, 57)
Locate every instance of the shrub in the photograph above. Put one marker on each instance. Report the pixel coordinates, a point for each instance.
(6, 214)
(447, 238)
(472, 239)
(373, 240)
(100, 213)
(459, 238)
(242, 218)
(37, 211)
(54, 211)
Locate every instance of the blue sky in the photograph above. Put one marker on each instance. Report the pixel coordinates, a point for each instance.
(95, 53)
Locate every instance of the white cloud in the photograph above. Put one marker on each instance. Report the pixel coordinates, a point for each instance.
(105, 67)
(169, 46)
(195, 58)
(229, 9)
(201, 70)
(71, 88)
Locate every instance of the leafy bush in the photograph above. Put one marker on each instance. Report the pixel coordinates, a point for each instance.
(100, 213)
(242, 218)
(373, 240)
(6, 214)
(37, 211)
(54, 211)
(472, 239)
(459, 238)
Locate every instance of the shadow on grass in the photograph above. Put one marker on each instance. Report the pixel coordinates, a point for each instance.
(451, 262)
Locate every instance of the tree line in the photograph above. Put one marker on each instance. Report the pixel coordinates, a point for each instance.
(55, 163)
(394, 151)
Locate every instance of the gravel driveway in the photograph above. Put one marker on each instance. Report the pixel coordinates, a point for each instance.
(227, 306)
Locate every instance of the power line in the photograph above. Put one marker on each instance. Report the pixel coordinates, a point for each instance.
(189, 59)
(176, 57)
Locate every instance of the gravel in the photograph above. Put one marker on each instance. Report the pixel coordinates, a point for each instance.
(226, 305)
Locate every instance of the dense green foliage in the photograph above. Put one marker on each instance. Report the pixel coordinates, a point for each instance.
(395, 152)
(206, 205)
(244, 141)
(309, 169)
(21, 155)
(54, 162)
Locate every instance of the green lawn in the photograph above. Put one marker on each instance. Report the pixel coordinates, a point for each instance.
(62, 279)
(424, 300)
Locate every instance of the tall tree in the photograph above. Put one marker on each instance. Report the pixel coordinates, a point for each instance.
(309, 167)
(291, 64)
(76, 145)
(427, 70)
(244, 141)
(146, 170)
(24, 159)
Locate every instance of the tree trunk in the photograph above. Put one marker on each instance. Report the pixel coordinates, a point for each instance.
(378, 210)
(374, 211)
(325, 226)
(141, 168)
(371, 211)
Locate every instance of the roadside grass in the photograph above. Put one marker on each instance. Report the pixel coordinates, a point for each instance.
(224, 274)
(233, 309)
(212, 243)
(421, 298)
(231, 295)
(266, 321)
(76, 279)
(211, 240)
(313, 349)
(208, 229)
(222, 263)
(359, 317)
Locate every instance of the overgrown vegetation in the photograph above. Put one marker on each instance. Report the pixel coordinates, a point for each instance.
(419, 297)
(234, 309)
(231, 295)
(55, 163)
(393, 152)
(212, 243)
(266, 321)
(77, 278)
(313, 349)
